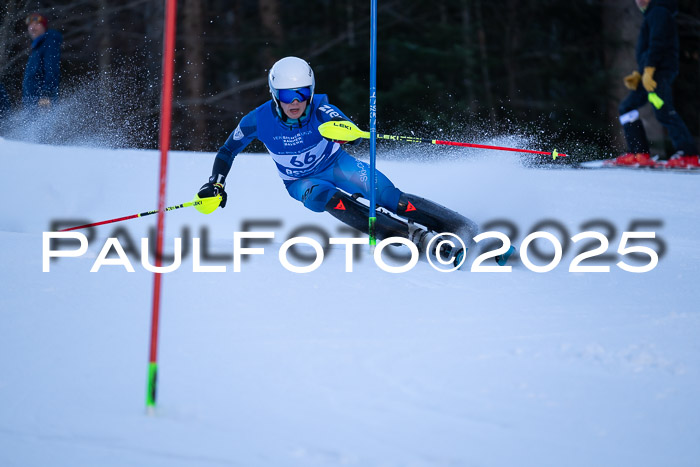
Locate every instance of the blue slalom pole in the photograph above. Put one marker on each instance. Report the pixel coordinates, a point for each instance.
(373, 124)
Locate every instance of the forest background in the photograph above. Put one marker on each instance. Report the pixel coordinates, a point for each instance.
(460, 69)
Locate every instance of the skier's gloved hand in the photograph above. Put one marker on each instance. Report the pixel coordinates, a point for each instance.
(341, 142)
(213, 188)
(632, 81)
(354, 142)
(648, 78)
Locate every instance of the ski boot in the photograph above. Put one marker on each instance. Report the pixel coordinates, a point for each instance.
(642, 159)
(439, 219)
(434, 216)
(680, 161)
(350, 211)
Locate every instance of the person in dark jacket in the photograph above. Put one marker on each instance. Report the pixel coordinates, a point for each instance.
(657, 60)
(42, 75)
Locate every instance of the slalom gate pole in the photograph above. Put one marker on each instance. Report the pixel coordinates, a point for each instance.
(373, 126)
(196, 202)
(348, 131)
(165, 131)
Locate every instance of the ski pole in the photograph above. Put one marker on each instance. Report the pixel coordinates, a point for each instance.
(655, 100)
(209, 204)
(348, 131)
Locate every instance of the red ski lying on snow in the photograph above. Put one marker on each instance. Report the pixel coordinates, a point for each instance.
(644, 161)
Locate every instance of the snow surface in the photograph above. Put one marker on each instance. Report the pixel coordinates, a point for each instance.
(270, 368)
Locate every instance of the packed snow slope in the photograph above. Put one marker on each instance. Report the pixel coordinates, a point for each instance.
(266, 367)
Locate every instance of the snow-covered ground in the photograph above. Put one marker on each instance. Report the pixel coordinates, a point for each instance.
(266, 367)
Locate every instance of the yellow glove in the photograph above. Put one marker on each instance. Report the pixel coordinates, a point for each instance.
(632, 81)
(648, 78)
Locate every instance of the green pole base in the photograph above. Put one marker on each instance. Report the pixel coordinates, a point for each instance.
(152, 385)
(372, 231)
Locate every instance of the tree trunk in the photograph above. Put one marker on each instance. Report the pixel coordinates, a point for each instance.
(194, 78)
(511, 39)
(105, 57)
(8, 38)
(272, 28)
(350, 24)
(468, 45)
(483, 52)
(6, 28)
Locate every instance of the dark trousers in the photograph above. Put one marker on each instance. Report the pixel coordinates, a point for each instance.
(634, 130)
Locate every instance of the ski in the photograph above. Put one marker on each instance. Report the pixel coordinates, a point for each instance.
(656, 165)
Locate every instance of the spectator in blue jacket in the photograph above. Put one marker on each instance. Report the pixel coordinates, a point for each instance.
(43, 74)
(657, 60)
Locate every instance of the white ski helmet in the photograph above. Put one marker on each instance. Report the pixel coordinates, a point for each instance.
(290, 73)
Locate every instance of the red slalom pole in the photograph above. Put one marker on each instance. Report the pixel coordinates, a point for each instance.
(165, 131)
(196, 202)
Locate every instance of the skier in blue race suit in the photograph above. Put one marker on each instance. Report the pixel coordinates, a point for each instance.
(318, 172)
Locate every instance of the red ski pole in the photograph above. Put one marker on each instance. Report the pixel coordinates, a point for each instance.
(207, 205)
(347, 131)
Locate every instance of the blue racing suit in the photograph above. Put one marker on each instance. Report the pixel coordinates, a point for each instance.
(312, 167)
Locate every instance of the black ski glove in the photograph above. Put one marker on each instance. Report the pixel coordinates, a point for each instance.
(211, 189)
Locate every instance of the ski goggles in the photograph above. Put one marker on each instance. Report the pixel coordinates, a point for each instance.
(290, 95)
